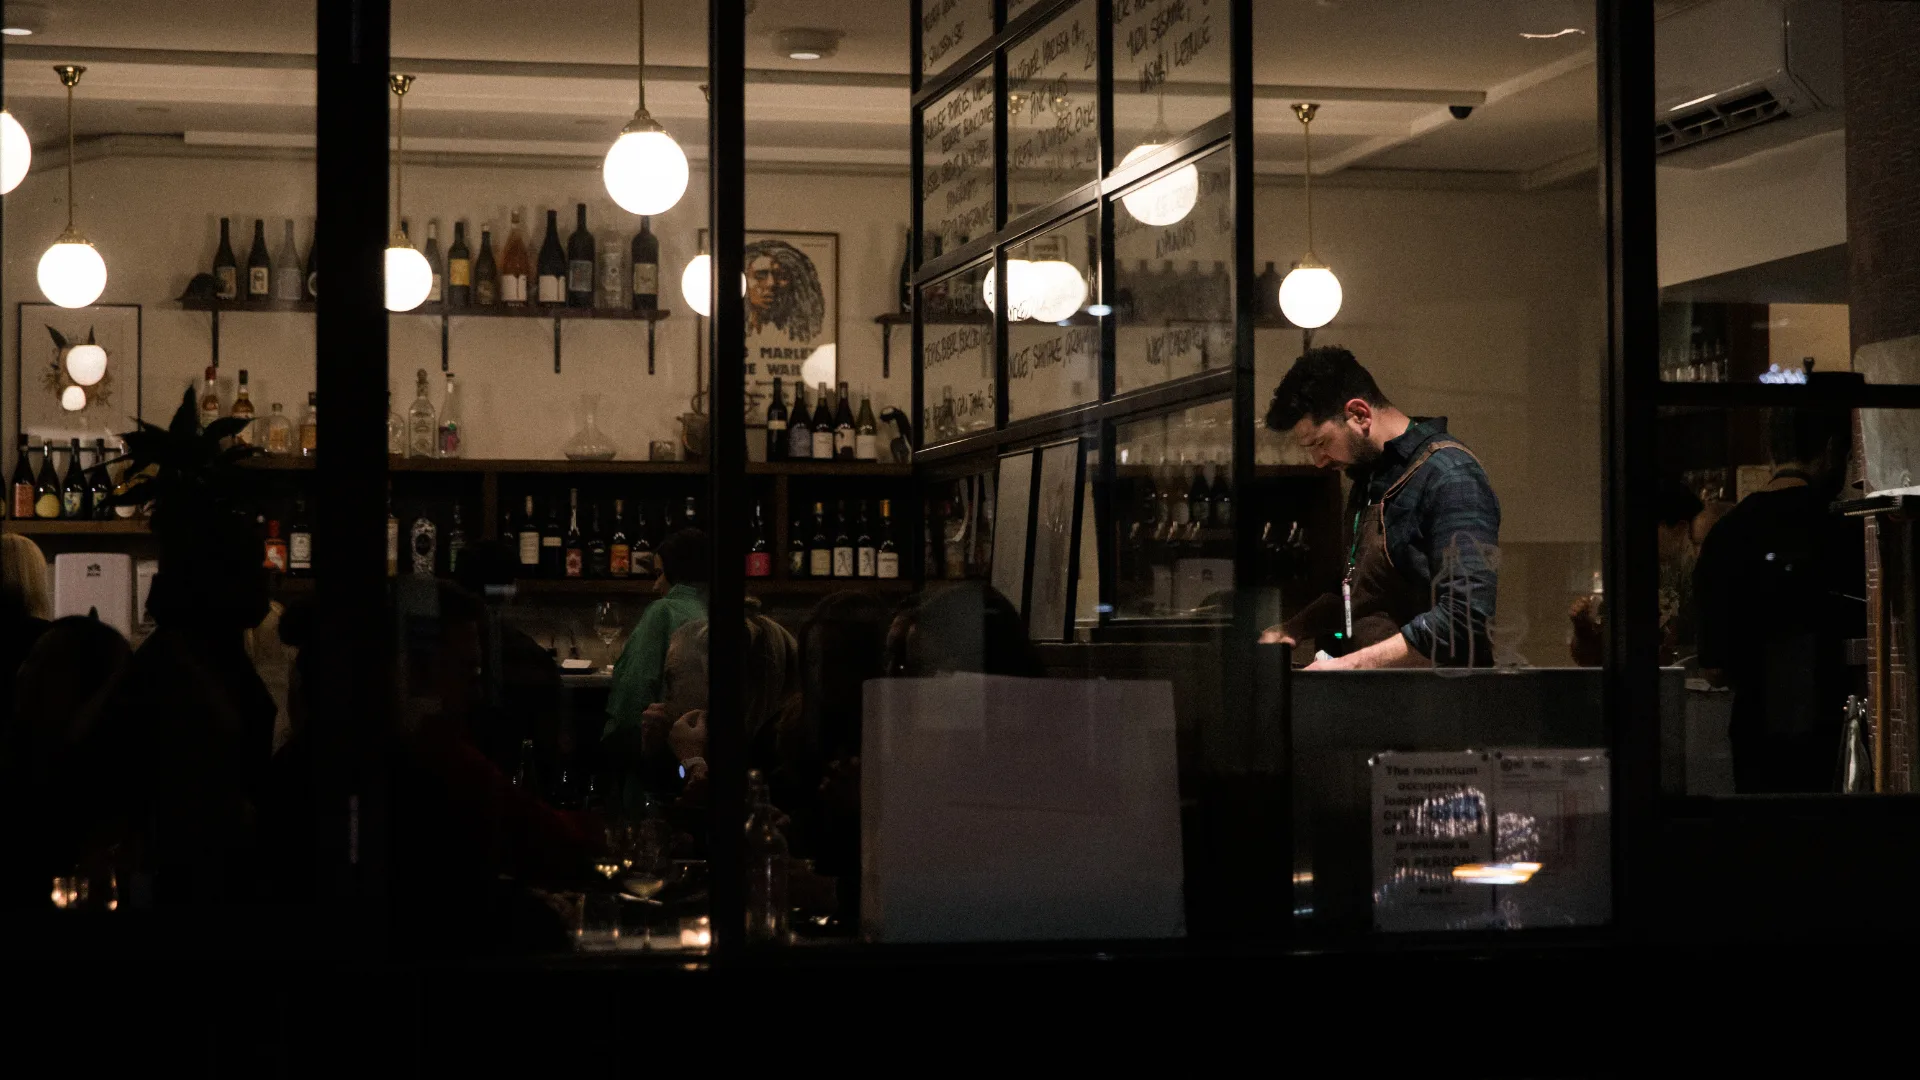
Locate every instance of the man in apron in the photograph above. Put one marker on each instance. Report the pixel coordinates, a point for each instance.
(1421, 529)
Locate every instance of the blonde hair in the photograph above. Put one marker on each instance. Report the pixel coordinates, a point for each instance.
(23, 574)
(769, 670)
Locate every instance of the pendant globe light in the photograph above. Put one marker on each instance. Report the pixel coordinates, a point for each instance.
(1310, 295)
(1168, 200)
(645, 170)
(408, 276)
(72, 274)
(16, 152)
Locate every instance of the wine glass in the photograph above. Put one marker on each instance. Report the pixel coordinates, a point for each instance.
(606, 622)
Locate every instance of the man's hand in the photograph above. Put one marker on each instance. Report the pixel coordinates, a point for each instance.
(654, 723)
(1274, 635)
(1393, 652)
(689, 735)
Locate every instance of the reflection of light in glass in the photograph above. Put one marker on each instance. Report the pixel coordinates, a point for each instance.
(1099, 311)
(86, 364)
(16, 152)
(73, 399)
(818, 368)
(1513, 873)
(1167, 200)
(695, 284)
(409, 278)
(1049, 290)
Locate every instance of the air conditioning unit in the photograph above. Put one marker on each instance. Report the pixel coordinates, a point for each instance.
(1735, 77)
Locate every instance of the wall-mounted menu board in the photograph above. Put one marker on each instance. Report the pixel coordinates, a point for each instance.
(1170, 68)
(1053, 109)
(956, 354)
(1174, 295)
(1053, 343)
(948, 28)
(956, 189)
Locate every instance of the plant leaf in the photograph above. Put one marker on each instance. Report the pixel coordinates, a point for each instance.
(59, 342)
(225, 428)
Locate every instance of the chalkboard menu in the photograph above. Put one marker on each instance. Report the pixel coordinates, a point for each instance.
(956, 360)
(948, 28)
(1053, 344)
(1174, 297)
(1170, 68)
(956, 188)
(1053, 109)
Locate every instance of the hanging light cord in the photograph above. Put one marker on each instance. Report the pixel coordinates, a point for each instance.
(400, 85)
(1305, 113)
(641, 5)
(70, 83)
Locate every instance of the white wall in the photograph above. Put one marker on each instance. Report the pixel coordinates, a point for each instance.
(1776, 203)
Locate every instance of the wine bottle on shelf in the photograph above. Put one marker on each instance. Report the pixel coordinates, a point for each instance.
(101, 487)
(641, 563)
(576, 548)
(456, 542)
(448, 436)
(1199, 509)
(866, 552)
(226, 270)
(887, 559)
(646, 267)
(553, 552)
(866, 432)
(310, 427)
(842, 544)
(420, 420)
(820, 549)
(459, 268)
(690, 519)
(209, 398)
(598, 558)
(800, 427)
(259, 265)
(21, 504)
(274, 549)
(396, 430)
(777, 424)
(515, 265)
(393, 537)
(300, 542)
(287, 277)
(46, 488)
(906, 275)
(313, 268)
(1268, 286)
(73, 489)
(242, 410)
(760, 550)
(528, 541)
(796, 549)
(619, 549)
(580, 261)
(436, 292)
(424, 543)
(1221, 496)
(486, 275)
(553, 264)
(823, 428)
(843, 430)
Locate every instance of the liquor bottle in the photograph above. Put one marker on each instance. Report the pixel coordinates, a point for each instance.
(528, 536)
(437, 292)
(822, 428)
(641, 564)
(421, 425)
(553, 552)
(515, 264)
(226, 271)
(21, 505)
(100, 490)
(646, 267)
(279, 431)
(777, 424)
(46, 490)
(424, 541)
(619, 551)
(887, 559)
(73, 490)
(274, 549)
(599, 560)
(1268, 286)
(767, 866)
(259, 265)
(953, 546)
(300, 541)
(243, 410)
(612, 291)
(843, 429)
(447, 429)
(820, 550)
(842, 545)
(1221, 496)
(866, 432)
(796, 550)
(313, 268)
(906, 275)
(576, 549)
(866, 553)
(553, 264)
(310, 427)
(800, 429)
(393, 537)
(209, 399)
(486, 275)
(580, 261)
(1199, 510)
(456, 542)
(459, 268)
(760, 551)
(396, 430)
(286, 267)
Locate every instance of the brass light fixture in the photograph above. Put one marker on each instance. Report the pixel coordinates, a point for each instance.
(72, 274)
(1310, 296)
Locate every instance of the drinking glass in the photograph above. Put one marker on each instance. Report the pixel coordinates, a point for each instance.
(606, 622)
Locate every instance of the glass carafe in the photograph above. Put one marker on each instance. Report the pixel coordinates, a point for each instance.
(590, 443)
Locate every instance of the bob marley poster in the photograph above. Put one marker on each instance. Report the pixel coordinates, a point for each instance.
(793, 312)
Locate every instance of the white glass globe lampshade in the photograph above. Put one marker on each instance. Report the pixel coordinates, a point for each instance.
(73, 399)
(72, 274)
(86, 364)
(409, 278)
(645, 172)
(1020, 289)
(694, 284)
(16, 152)
(1057, 291)
(1310, 296)
(1166, 201)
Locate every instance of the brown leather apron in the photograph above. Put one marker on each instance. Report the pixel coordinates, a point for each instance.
(1379, 598)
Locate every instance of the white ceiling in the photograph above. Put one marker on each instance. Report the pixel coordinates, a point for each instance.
(508, 77)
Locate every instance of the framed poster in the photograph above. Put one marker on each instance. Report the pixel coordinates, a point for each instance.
(1012, 535)
(793, 311)
(43, 405)
(1056, 535)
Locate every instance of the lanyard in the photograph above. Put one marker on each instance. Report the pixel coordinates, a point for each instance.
(1346, 583)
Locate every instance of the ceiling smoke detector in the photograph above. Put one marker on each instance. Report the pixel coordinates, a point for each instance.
(800, 43)
(25, 20)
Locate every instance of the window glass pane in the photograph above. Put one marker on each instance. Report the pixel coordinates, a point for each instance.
(1173, 257)
(957, 354)
(949, 29)
(956, 193)
(1053, 339)
(1170, 67)
(1053, 110)
(1173, 515)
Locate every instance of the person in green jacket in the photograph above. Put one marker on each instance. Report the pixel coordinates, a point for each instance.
(636, 752)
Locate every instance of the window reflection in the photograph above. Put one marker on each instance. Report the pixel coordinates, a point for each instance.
(957, 356)
(1053, 333)
(1174, 297)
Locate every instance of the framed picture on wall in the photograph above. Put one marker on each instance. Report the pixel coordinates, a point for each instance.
(48, 402)
(1012, 535)
(1056, 537)
(793, 311)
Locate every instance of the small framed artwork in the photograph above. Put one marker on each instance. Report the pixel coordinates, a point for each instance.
(1056, 538)
(793, 310)
(1012, 534)
(51, 400)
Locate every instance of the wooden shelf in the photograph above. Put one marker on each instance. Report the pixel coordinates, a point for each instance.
(755, 586)
(197, 303)
(828, 468)
(498, 311)
(895, 318)
(56, 527)
(547, 465)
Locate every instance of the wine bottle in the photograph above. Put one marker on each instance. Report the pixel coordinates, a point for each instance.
(576, 547)
(313, 268)
(300, 542)
(553, 552)
(101, 488)
(226, 271)
(690, 519)
(46, 490)
(310, 426)
(800, 428)
(243, 410)
(274, 549)
(641, 564)
(447, 429)
(866, 551)
(866, 432)
(437, 292)
(777, 424)
(843, 430)
(906, 275)
(486, 275)
(760, 550)
(646, 267)
(456, 542)
(528, 537)
(599, 559)
(515, 265)
(73, 490)
(286, 267)
(619, 551)
(553, 264)
(259, 265)
(842, 544)
(209, 398)
(393, 537)
(1221, 496)
(1199, 513)
(887, 560)
(396, 430)
(580, 261)
(424, 542)
(796, 550)
(822, 428)
(820, 550)
(21, 505)
(459, 268)
(420, 420)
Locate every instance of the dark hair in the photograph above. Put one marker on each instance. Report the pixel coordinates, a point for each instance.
(1676, 504)
(1319, 385)
(685, 558)
(964, 627)
(842, 645)
(1804, 434)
